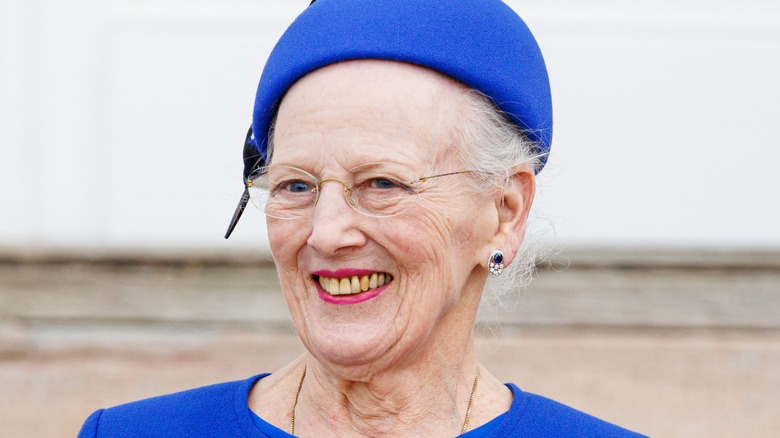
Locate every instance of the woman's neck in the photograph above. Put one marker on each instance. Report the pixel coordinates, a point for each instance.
(417, 399)
(427, 401)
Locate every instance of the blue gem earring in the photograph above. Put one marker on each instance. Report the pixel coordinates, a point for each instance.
(496, 263)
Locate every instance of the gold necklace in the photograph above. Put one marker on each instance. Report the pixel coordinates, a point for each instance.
(303, 376)
(471, 401)
(295, 402)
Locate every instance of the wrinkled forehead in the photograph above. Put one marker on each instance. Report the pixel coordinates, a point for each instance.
(373, 99)
(381, 74)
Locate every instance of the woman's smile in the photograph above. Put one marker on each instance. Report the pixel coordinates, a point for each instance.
(350, 286)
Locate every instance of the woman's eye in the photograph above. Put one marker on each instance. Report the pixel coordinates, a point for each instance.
(295, 186)
(383, 183)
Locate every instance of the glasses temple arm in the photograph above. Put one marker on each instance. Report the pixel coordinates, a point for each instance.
(425, 178)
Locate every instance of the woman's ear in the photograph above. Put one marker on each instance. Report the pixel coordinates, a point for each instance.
(513, 206)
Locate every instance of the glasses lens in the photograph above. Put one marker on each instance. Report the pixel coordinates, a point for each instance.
(377, 189)
(383, 189)
(283, 192)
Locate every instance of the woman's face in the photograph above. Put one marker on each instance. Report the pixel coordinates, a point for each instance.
(360, 112)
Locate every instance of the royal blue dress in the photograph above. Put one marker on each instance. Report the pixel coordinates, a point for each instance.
(222, 411)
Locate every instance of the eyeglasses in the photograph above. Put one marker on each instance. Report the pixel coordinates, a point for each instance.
(374, 189)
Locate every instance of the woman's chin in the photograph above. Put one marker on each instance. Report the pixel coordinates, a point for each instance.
(349, 347)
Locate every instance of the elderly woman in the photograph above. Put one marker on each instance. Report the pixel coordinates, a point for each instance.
(394, 153)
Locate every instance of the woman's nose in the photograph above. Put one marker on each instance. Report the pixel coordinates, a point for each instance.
(334, 222)
(345, 189)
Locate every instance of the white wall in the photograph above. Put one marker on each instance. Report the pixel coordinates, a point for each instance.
(121, 121)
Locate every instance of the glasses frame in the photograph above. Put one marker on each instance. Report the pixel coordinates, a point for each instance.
(347, 190)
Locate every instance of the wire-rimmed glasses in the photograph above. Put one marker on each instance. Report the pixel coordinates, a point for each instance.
(377, 189)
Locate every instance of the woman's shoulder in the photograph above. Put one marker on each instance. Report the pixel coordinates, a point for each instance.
(533, 415)
(207, 411)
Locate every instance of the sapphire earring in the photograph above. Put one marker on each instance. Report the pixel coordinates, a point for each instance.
(496, 263)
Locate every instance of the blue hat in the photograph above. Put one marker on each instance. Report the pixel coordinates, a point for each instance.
(482, 43)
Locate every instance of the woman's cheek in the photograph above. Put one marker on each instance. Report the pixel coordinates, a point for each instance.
(285, 238)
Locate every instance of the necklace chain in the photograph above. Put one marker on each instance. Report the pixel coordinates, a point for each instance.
(471, 401)
(295, 402)
(303, 376)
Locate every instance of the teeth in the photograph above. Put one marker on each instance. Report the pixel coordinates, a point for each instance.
(354, 284)
(372, 282)
(345, 287)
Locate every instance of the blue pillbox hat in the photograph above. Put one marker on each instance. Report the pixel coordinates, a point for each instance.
(482, 43)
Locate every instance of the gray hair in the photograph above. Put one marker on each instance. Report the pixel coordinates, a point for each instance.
(493, 145)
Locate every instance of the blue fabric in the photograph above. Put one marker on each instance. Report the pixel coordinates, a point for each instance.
(274, 432)
(212, 411)
(267, 428)
(486, 429)
(221, 411)
(482, 43)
